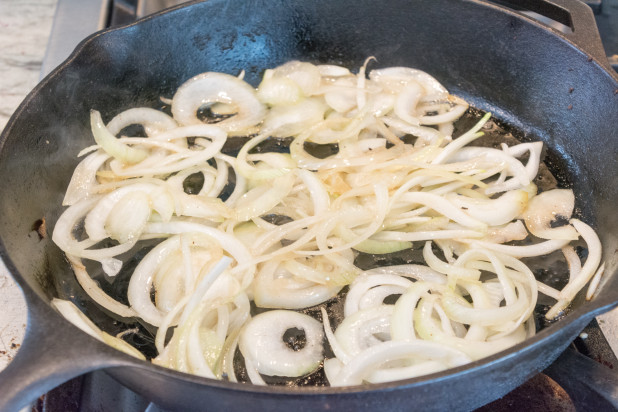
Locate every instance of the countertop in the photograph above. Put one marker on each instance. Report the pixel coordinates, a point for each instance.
(25, 26)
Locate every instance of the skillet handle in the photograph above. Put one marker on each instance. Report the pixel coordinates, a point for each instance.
(574, 14)
(53, 352)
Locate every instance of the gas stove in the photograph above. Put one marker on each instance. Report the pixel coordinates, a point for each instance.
(567, 385)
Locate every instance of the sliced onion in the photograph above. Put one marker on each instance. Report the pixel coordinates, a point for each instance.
(461, 141)
(111, 145)
(163, 163)
(393, 77)
(276, 289)
(84, 178)
(331, 70)
(305, 75)
(98, 217)
(261, 341)
(211, 87)
(341, 94)
(539, 249)
(407, 99)
(374, 191)
(495, 212)
(128, 217)
(358, 331)
(363, 283)
(567, 294)
(366, 363)
(279, 91)
(290, 120)
(546, 207)
(261, 199)
(77, 318)
(154, 121)
(459, 312)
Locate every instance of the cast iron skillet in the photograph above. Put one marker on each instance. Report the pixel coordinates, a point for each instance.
(555, 87)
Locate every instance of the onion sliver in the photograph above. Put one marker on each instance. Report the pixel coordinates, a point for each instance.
(279, 91)
(77, 318)
(494, 212)
(361, 329)
(365, 363)
(547, 206)
(96, 293)
(98, 218)
(110, 144)
(128, 217)
(364, 283)
(163, 163)
(286, 292)
(393, 77)
(84, 178)
(153, 121)
(208, 88)
(587, 271)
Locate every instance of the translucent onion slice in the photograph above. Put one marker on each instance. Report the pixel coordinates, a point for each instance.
(98, 217)
(274, 289)
(332, 70)
(402, 322)
(379, 356)
(393, 77)
(341, 94)
(209, 143)
(461, 141)
(306, 75)
(568, 293)
(84, 178)
(211, 87)
(429, 330)
(494, 212)
(77, 318)
(290, 120)
(417, 272)
(364, 328)
(447, 209)
(154, 121)
(363, 283)
(405, 104)
(261, 341)
(544, 208)
(110, 144)
(63, 235)
(128, 217)
(280, 91)
(538, 249)
(459, 311)
(261, 199)
(92, 288)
